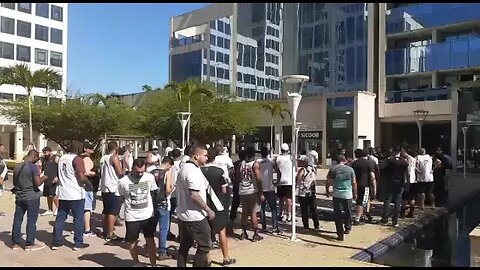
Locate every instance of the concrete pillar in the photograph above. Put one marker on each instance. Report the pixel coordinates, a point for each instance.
(278, 130)
(135, 149)
(147, 145)
(18, 143)
(355, 124)
(323, 104)
(435, 82)
(382, 46)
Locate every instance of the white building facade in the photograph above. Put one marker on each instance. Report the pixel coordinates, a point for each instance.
(34, 34)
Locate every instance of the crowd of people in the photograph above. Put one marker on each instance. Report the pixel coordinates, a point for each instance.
(204, 189)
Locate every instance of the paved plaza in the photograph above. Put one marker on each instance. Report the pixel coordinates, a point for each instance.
(311, 248)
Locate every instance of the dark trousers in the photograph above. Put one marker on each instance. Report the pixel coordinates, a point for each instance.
(173, 206)
(78, 208)
(200, 232)
(308, 204)
(235, 205)
(342, 210)
(393, 192)
(31, 207)
(271, 200)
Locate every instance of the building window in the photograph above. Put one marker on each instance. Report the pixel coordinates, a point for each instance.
(227, 44)
(56, 59)
(41, 10)
(9, 5)
(24, 29)
(221, 26)
(219, 57)
(41, 32)
(212, 55)
(6, 50)
(8, 25)
(239, 77)
(227, 28)
(212, 24)
(25, 7)
(226, 59)
(41, 57)
(227, 74)
(212, 71)
(56, 35)
(220, 42)
(57, 13)
(213, 40)
(23, 53)
(204, 69)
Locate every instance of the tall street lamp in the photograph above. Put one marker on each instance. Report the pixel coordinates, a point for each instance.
(465, 125)
(184, 118)
(294, 99)
(421, 116)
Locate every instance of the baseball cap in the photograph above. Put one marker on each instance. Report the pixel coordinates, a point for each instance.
(302, 158)
(47, 149)
(285, 147)
(88, 145)
(168, 149)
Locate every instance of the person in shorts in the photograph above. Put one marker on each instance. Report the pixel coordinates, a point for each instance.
(90, 198)
(366, 186)
(284, 168)
(50, 169)
(135, 191)
(251, 195)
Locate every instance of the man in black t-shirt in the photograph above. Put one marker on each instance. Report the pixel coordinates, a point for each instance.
(366, 186)
(219, 185)
(50, 169)
(396, 169)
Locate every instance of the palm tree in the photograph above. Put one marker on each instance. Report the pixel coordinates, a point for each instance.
(21, 75)
(190, 90)
(275, 109)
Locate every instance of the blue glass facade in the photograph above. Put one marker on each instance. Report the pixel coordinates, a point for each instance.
(460, 53)
(333, 46)
(427, 15)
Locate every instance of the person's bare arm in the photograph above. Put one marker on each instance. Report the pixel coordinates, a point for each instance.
(88, 167)
(327, 184)
(195, 196)
(168, 182)
(117, 165)
(354, 187)
(38, 181)
(79, 167)
(258, 179)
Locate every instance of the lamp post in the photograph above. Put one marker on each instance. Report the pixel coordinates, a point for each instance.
(465, 125)
(184, 118)
(421, 116)
(294, 99)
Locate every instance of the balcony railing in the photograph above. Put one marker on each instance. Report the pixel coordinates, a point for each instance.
(460, 53)
(186, 40)
(427, 15)
(414, 95)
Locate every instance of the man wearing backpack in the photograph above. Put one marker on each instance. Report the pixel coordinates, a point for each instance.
(305, 191)
(163, 178)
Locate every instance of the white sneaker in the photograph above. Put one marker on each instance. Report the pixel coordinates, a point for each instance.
(46, 213)
(55, 212)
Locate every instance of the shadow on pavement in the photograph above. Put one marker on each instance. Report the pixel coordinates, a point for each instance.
(330, 245)
(108, 260)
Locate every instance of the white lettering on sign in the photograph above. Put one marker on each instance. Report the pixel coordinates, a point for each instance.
(309, 135)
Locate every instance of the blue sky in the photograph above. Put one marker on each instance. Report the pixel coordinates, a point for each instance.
(119, 47)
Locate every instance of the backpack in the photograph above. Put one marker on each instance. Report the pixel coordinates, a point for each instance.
(305, 187)
(161, 194)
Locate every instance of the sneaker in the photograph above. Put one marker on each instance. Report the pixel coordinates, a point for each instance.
(358, 223)
(113, 237)
(383, 221)
(88, 233)
(163, 257)
(340, 238)
(409, 215)
(243, 236)
(395, 225)
(228, 261)
(256, 237)
(46, 213)
(56, 246)
(55, 213)
(34, 247)
(16, 247)
(82, 246)
(215, 245)
(278, 232)
(347, 231)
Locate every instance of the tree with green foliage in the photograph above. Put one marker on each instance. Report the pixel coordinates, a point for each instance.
(21, 75)
(275, 109)
(82, 119)
(215, 118)
(190, 90)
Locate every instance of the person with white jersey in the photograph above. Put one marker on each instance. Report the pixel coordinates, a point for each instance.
(284, 166)
(263, 169)
(71, 195)
(251, 195)
(411, 185)
(135, 191)
(223, 161)
(176, 155)
(424, 168)
(111, 172)
(128, 159)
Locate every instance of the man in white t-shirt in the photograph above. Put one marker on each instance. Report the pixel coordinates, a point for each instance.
(71, 196)
(424, 168)
(263, 169)
(192, 209)
(176, 155)
(284, 167)
(312, 156)
(135, 191)
(223, 161)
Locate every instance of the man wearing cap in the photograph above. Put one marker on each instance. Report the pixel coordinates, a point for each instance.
(50, 169)
(153, 159)
(91, 188)
(283, 167)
